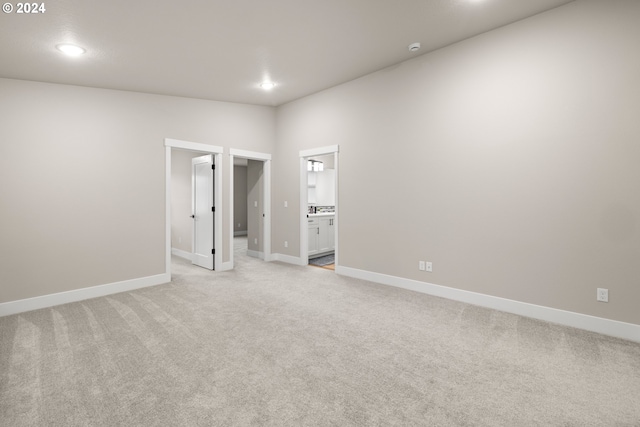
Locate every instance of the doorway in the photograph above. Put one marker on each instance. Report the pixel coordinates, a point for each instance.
(257, 194)
(319, 206)
(195, 148)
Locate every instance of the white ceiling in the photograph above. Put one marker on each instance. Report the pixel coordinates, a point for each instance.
(223, 49)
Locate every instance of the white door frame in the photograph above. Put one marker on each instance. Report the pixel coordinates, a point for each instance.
(266, 183)
(203, 148)
(304, 203)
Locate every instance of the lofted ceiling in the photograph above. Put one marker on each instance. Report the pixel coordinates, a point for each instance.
(223, 49)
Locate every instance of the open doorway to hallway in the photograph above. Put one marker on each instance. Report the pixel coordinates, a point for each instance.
(248, 204)
(250, 208)
(240, 197)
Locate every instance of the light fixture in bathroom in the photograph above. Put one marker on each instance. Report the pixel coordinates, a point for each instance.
(315, 166)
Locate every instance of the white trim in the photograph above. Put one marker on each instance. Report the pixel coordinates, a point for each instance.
(167, 209)
(255, 254)
(44, 301)
(320, 151)
(203, 148)
(266, 224)
(288, 259)
(304, 210)
(266, 187)
(217, 222)
(231, 203)
(182, 254)
(600, 325)
(193, 146)
(253, 155)
(336, 221)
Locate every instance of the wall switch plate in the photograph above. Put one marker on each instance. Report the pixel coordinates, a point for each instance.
(286, 204)
(421, 266)
(429, 267)
(255, 241)
(255, 204)
(286, 244)
(603, 295)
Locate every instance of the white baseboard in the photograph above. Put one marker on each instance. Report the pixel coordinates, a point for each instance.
(288, 259)
(255, 254)
(240, 233)
(182, 254)
(44, 301)
(628, 331)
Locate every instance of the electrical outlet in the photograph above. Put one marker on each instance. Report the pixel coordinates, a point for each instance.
(255, 241)
(239, 225)
(255, 204)
(429, 267)
(286, 244)
(603, 295)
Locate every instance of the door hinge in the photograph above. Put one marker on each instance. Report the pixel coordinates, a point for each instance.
(213, 167)
(213, 251)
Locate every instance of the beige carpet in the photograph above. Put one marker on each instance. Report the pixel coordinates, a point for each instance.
(271, 344)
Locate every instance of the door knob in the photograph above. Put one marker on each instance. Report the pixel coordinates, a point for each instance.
(193, 216)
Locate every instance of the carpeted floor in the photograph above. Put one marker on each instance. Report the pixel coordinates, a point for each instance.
(271, 344)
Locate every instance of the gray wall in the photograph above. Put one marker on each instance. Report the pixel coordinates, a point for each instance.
(240, 198)
(509, 160)
(83, 180)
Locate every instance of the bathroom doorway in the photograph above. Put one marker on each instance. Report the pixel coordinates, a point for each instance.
(319, 207)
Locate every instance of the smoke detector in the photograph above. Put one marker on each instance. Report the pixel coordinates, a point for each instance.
(414, 47)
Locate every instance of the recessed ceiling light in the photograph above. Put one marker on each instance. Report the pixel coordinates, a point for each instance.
(267, 85)
(414, 47)
(70, 49)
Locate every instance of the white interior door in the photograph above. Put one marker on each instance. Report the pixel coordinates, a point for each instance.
(203, 211)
